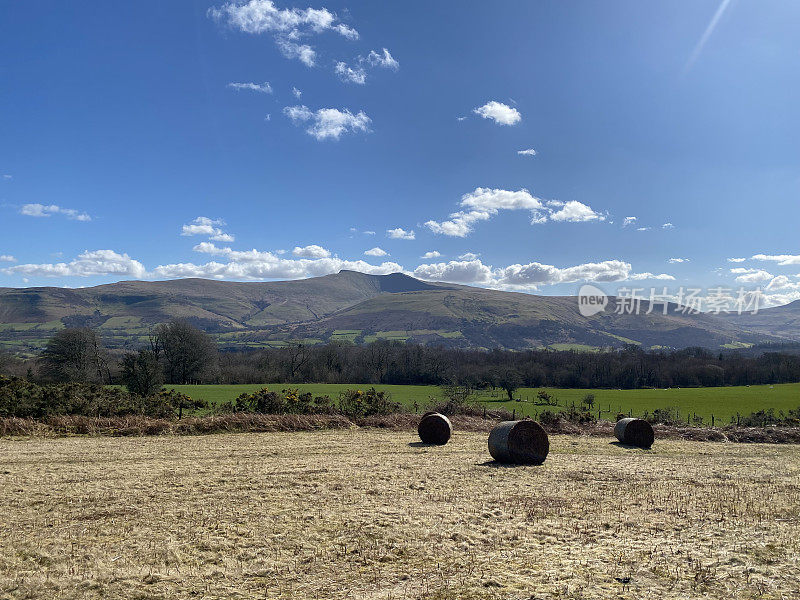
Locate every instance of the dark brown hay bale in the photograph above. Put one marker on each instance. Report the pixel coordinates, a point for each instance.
(434, 428)
(634, 432)
(520, 442)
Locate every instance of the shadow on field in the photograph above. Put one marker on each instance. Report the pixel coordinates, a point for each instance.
(424, 445)
(628, 446)
(498, 465)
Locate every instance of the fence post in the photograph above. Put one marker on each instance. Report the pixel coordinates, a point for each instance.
(514, 415)
(712, 420)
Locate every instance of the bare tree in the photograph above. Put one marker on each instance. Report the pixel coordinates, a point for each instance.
(188, 353)
(75, 354)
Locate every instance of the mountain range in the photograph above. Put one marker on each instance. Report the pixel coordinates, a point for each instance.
(356, 307)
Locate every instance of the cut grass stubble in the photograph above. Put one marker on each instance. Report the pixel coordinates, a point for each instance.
(369, 514)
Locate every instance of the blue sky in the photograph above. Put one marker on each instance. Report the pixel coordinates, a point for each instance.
(125, 152)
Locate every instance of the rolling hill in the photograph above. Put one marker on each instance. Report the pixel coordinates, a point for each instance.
(355, 307)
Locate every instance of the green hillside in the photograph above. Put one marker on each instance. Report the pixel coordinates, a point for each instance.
(353, 307)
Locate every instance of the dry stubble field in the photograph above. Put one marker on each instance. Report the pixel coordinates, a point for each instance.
(368, 514)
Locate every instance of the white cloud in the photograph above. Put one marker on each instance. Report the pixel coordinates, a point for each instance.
(47, 210)
(208, 227)
(500, 113)
(385, 60)
(302, 52)
(368, 232)
(328, 122)
(472, 271)
(312, 251)
(351, 75)
(737, 260)
(678, 260)
(297, 93)
(781, 259)
(668, 226)
(264, 88)
(399, 233)
(460, 223)
(88, 263)
(629, 221)
(286, 25)
(7, 258)
(751, 275)
(376, 252)
(537, 273)
(574, 212)
(8, 177)
(469, 256)
(255, 264)
(528, 276)
(528, 152)
(484, 203)
(643, 229)
(431, 254)
(648, 275)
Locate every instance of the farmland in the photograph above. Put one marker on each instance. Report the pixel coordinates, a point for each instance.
(722, 402)
(368, 514)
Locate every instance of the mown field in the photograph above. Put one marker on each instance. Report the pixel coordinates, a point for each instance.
(371, 514)
(722, 402)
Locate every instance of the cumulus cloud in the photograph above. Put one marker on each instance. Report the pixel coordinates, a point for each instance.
(398, 233)
(7, 258)
(781, 259)
(286, 25)
(328, 123)
(500, 113)
(88, 263)
(469, 256)
(668, 226)
(574, 212)
(297, 93)
(312, 251)
(528, 152)
(528, 276)
(648, 275)
(677, 260)
(376, 251)
(628, 221)
(737, 260)
(468, 271)
(484, 203)
(431, 254)
(48, 210)
(384, 59)
(349, 74)
(358, 72)
(751, 275)
(208, 227)
(255, 264)
(264, 88)
(643, 229)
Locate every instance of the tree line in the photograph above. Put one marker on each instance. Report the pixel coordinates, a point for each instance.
(178, 353)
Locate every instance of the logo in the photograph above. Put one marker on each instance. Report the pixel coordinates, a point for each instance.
(591, 300)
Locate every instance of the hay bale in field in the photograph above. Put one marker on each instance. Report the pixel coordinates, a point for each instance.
(434, 428)
(634, 432)
(520, 442)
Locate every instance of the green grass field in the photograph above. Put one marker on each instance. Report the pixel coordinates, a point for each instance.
(722, 402)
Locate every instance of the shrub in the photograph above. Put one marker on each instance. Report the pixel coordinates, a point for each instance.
(289, 401)
(356, 403)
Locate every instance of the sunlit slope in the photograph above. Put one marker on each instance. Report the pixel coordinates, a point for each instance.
(354, 307)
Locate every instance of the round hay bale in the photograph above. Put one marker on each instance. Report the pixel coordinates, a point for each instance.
(634, 432)
(434, 428)
(520, 442)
